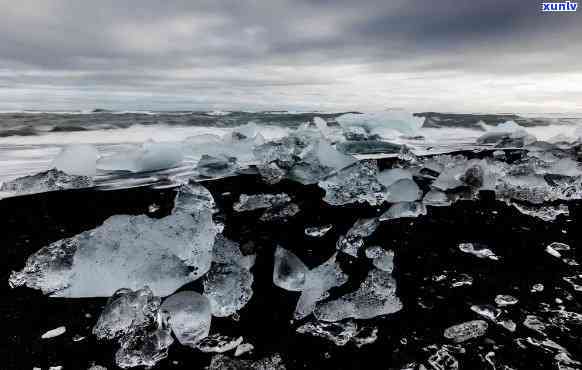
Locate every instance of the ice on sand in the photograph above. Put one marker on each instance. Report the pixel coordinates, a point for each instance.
(189, 316)
(318, 281)
(150, 156)
(376, 296)
(404, 210)
(77, 159)
(134, 319)
(289, 272)
(50, 180)
(130, 252)
(466, 331)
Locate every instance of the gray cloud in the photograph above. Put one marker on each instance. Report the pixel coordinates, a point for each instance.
(288, 53)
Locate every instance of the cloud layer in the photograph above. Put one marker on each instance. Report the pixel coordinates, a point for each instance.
(303, 54)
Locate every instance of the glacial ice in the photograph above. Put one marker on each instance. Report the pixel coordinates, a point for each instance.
(354, 238)
(383, 123)
(135, 320)
(355, 184)
(317, 282)
(466, 331)
(503, 300)
(340, 333)
(376, 296)
(318, 231)
(222, 362)
(389, 177)
(381, 259)
(478, 251)
(243, 348)
(150, 156)
(228, 287)
(215, 167)
(77, 159)
(280, 213)
(50, 180)
(436, 198)
(129, 251)
(404, 210)
(189, 316)
(54, 332)
(507, 135)
(260, 201)
(217, 343)
(289, 272)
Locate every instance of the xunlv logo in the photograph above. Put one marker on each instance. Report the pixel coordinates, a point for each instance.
(560, 7)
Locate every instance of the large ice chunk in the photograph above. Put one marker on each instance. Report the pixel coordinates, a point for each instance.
(77, 159)
(228, 287)
(150, 156)
(376, 296)
(383, 123)
(318, 281)
(289, 272)
(135, 320)
(129, 251)
(189, 316)
(404, 210)
(355, 184)
(50, 180)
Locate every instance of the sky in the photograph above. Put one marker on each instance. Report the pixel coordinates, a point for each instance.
(446, 55)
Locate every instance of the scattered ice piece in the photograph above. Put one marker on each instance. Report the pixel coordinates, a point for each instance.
(150, 156)
(228, 287)
(243, 348)
(189, 316)
(539, 287)
(462, 280)
(546, 213)
(355, 184)
(340, 333)
(553, 252)
(376, 296)
(479, 252)
(260, 201)
(494, 314)
(505, 300)
(97, 367)
(280, 213)
(466, 331)
(403, 190)
(354, 238)
(534, 323)
(219, 166)
(289, 271)
(381, 259)
(404, 210)
(51, 180)
(129, 251)
(318, 281)
(217, 343)
(366, 335)
(135, 320)
(77, 159)
(78, 338)
(442, 359)
(389, 177)
(54, 333)
(436, 198)
(153, 208)
(222, 362)
(575, 281)
(318, 231)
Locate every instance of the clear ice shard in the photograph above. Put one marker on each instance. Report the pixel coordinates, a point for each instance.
(134, 319)
(354, 238)
(260, 201)
(228, 284)
(129, 252)
(289, 272)
(403, 190)
(318, 231)
(466, 331)
(318, 281)
(51, 180)
(376, 296)
(189, 316)
(217, 343)
(340, 333)
(150, 156)
(54, 332)
(389, 177)
(77, 159)
(404, 210)
(355, 184)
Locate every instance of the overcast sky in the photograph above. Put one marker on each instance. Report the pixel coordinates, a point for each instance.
(446, 55)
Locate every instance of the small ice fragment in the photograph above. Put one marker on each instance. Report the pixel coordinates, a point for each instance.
(436, 198)
(219, 166)
(260, 201)
(318, 231)
(442, 359)
(77, 159)
(462, 280)
(389, 177)
(495, 315)
(479, 252)
(289, 271)
(217, 343)
(466, 331)
(51, 180)
(381, 259)
(575, 281)
(403, 190)
(78, 338)
(539, 287)
(552, 252)
(340, 333)
(243, 348)
(54, 332)
(404, 210)
(228, 287)
(354, 238)
(505, 300)
(366, 335)
(376, 296)
(222, 362)
(154, 207)
(189, 316)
